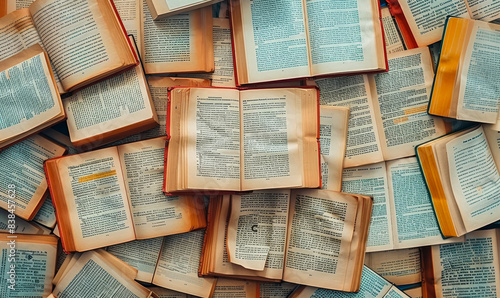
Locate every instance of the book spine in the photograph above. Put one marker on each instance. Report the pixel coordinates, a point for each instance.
(118, 18)
(58, 214)
(398, 14)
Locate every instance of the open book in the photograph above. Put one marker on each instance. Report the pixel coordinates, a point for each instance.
(388, 115)
(97, 274)
(28, 265)
(30, 100)
(309, 237)
(372, 285)
(177, 44)
(305, 39)
(469, 269)
(24, 186)
(110, 110)
(462, 171)
(85, 44)
(224, 139)
(420, 29)
(163, 8)
(403, 216)
(114, 195)
(466, 86)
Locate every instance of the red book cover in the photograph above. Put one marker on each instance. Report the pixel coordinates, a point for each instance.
(404, 28)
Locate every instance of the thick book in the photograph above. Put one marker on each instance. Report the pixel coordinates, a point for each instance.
(30, 100)
(181, 43)
(223, 139)
(468, 269)
(161, 9)
(111, 109)
(292, 39)
(114, 195)
(317, 237)
(85, 44)
(388, 115)
(24, 186)
(421, 22)
(466, 86)
(463, 177)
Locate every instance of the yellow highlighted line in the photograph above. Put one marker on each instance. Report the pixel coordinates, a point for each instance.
(96, 176)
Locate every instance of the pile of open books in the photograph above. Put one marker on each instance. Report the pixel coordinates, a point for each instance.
(249, 148)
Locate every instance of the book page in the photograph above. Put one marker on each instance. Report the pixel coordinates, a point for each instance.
(28, 265)
(223, 76)
(393, 41)
(372, 285)
(177, 267)
(270, 28)
(363, 144)
(468, 269)
(94, 275)
(226, 288)
(344, 36)
(493, 137)
(96, 199)
(371, 180)
(333, 123)
(140, 254)
(29, 95)
(213, 142)
(174, 44)
(319, 238)
(401, 267)
(479, 94)
(129, 14)
(256, 233)
(475, 179)
(276, 290)
(221, 264)
(484, 10)
(154, 214)
(428, 30)
(21, 172)
(414, 222)
(394, 292)
(123, 101)
(18, 32)
(46, 214)
(271, 139)
(17, 4)
(78, 39)
(400, 98)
